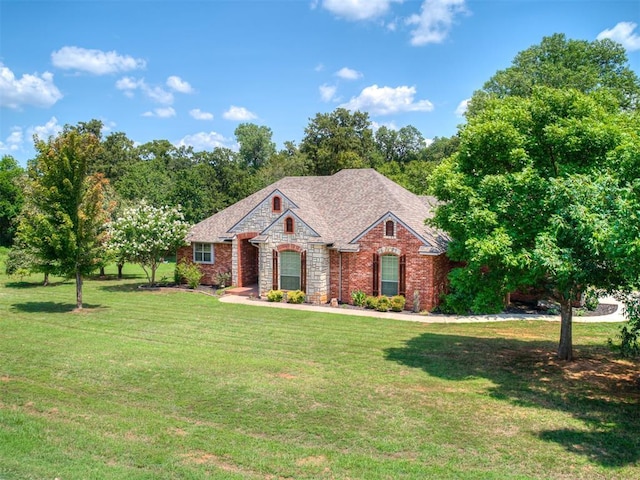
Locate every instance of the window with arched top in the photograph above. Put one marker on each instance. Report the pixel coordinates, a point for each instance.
(390, 228)
(277, 204)
(389, 275)
(288, 225)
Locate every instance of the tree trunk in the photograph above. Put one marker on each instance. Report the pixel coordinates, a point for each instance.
(45, 282)
(102, 275)
(120, 265)
(78, 290)
(153, 273)
(565, 349)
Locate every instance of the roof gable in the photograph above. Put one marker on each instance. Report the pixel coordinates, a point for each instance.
(339, 208)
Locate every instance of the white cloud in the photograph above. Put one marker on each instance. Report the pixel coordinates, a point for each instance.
(462, 107)
(158, 94)
(206, 141)
(348, 74)
(36, 90)
(96, 62)
(375, 126)
(319, 67)
(14, 141)
(200, 115)
(623, 34)
(177, 84)
(386, 100)
(166, 112)
(49, 129)
(358, 9)
(327, 92)
(434, 21)
(239, 114)
(129, 85)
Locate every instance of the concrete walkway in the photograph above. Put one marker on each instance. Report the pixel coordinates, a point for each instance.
(617, 316)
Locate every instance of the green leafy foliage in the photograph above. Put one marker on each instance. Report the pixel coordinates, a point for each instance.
(223, 279)
(371, 302)
(296, 296)
(11, 198)
(383, 304)
(63, 223)
(275, 295)
(397, 303)
(358, 297)
(190, 272)
(535, 195)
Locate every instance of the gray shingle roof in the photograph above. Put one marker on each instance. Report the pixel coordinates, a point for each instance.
(339, 207)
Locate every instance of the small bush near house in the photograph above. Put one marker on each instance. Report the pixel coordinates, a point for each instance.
(223, 279)
(397, 303)
(384, 303)
(190, 272)
(296, 296)
(275, 295)
(358, 297)
(371, 302)
(591, 299)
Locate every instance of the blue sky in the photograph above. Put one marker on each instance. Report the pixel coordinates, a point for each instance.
(191, 71)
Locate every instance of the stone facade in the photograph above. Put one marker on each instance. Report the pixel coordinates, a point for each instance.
(301, 240)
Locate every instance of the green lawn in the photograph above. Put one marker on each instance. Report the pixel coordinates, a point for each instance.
(162, 385)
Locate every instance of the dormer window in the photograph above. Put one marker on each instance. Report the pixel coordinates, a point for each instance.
(288, 225)
(276, 204)
(390, 228)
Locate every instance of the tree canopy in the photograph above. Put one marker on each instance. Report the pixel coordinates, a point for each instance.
(65, 216)
(11, 198)
(541, 192)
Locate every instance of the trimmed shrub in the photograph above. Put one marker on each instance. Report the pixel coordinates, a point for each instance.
(296, 296)
(371, 302)
(275, 295)
(397, 303)
(358, 297)
(384, 303)
(223, 279)
(190, 272)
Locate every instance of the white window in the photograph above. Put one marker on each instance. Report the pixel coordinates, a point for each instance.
(390, 273)
(203, 252)
(290, 270)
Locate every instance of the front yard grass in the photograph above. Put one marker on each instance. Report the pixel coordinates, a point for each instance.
(164, 384)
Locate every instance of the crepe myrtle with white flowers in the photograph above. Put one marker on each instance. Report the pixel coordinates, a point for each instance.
(145, 234)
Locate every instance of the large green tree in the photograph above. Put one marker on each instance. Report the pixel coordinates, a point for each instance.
(529, 199)
(534, 195)
(66, 215)
(337, 140)
(10, 198)
(558, 62)
(256, 146)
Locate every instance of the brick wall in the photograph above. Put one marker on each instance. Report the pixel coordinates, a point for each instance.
(222, 261)
(425, 274)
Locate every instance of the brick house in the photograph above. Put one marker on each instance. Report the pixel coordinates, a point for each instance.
(328, 236)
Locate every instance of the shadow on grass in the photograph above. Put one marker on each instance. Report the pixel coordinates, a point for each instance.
(25, 285)
(121, 287)
(114, 277)
(51, 307)
(600, 391)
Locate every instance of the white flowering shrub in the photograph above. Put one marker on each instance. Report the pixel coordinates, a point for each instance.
(145, 234)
